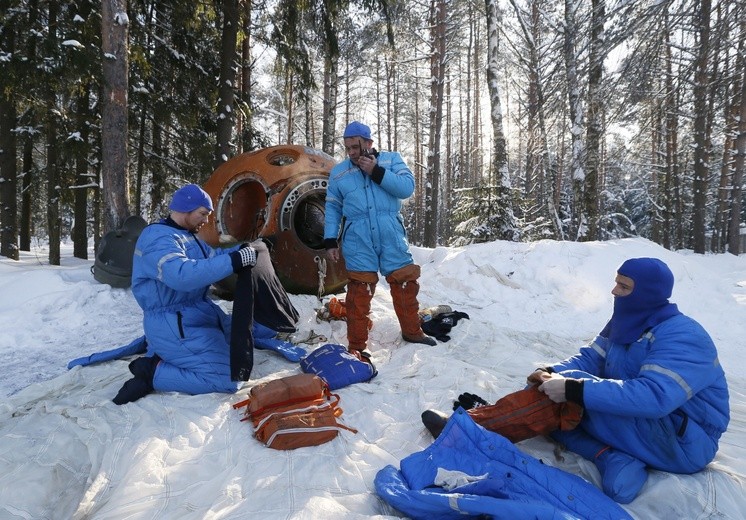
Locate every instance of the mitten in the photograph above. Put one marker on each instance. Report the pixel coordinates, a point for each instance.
(468, 401)
(244, 257)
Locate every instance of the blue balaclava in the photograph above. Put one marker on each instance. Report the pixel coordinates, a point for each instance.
(647, 305)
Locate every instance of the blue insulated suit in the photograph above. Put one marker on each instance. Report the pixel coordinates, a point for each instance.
(662, 399)
(470, 472)
(373, 238)
(171, 273)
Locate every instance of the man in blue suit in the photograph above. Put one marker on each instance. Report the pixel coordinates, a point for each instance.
(188, 335)
(651, 388)
(363, 220)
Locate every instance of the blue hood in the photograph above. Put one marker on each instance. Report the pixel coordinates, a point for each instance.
(646, 306)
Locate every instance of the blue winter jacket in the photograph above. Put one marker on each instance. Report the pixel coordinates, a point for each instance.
(171, 274)
(373, 238)
(663, 398)
(471, 472)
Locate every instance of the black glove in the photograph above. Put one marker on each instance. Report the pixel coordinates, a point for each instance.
(468, 401)
(452, 318)
(437, 329)
(441, 324)
(244, 257)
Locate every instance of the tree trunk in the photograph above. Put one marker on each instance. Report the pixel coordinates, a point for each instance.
(141, 159)
(731, 112)
(158, 184)
(290, 103)
(224, 150)
(26, 189)
(419, 188)
(331, 79)
(114, 160)
(8, 176)
(734, 224)
(594, 135)
(701, 133)
(246, 133)
(437, 76)
(671, 179)
(504, 207)
(575, 106)
(82, 181)
(52, 166)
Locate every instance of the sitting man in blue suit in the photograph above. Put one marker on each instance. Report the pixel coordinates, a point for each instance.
(651, 388)
(188, 335)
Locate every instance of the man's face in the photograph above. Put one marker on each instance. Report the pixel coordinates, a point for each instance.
(353, 147)
(624, 286)
(197, 218)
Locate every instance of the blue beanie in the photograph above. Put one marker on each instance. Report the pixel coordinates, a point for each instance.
(357, 129)
(189, 198)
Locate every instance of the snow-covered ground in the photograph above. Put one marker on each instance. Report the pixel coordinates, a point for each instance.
(66, 451)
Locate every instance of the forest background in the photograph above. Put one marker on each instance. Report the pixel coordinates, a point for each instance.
(521, 119)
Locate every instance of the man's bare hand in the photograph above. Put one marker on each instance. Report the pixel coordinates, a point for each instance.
(333, 253)
(367, 163)
(537, 377)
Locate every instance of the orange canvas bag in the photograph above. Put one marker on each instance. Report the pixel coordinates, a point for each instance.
(293, 412)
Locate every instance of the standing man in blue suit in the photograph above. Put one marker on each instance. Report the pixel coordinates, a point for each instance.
(363, 203)
(188, 335)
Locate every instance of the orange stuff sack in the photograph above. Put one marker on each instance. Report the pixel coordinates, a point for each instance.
(526, 414)
(293, 412)
(337, 309)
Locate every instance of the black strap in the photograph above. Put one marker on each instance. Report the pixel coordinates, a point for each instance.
(242, 323)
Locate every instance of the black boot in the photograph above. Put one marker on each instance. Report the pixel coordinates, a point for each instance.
(143, 368)
(424, 339)
(434, 421)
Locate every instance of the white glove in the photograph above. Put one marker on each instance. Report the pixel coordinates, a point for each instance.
(554, 387)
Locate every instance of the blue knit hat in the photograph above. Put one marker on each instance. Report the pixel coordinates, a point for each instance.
(189, 198)
(357, 129)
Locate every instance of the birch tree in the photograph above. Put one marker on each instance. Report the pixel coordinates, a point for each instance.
(504, 219)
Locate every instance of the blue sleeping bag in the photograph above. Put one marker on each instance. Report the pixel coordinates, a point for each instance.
(470, 471)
